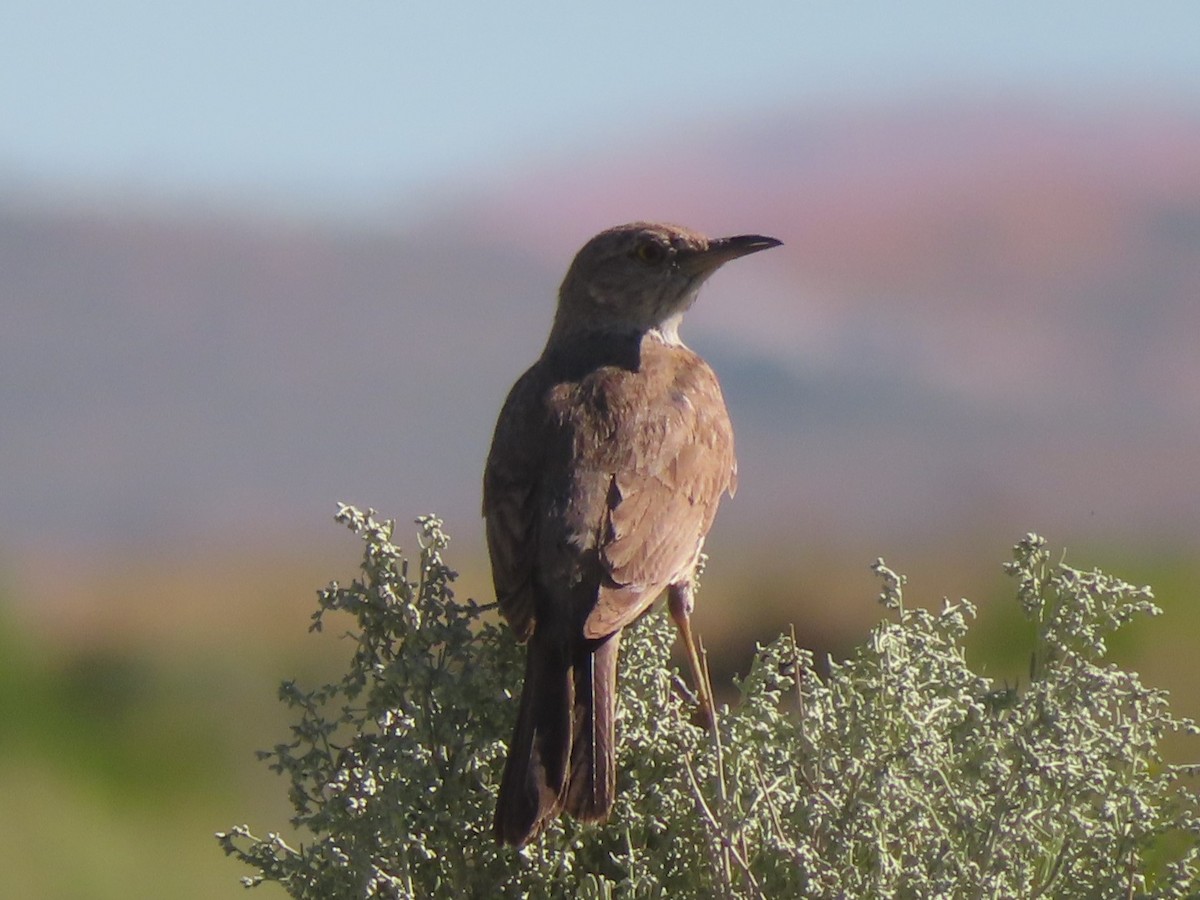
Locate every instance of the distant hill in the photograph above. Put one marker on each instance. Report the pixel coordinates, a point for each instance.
(983, 313)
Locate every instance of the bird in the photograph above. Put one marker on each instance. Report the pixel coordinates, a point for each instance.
(608, 460)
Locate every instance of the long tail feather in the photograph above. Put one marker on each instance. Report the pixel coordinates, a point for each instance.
(535, 775)
(592, 780)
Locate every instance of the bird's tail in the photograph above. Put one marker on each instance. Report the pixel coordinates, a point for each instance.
(592, 782)
(561, 755)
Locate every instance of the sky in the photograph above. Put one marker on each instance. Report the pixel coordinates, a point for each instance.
(349, 108)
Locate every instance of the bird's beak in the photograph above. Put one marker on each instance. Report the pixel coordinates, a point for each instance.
(722, 250)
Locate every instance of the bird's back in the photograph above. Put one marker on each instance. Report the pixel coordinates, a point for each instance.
(602, 482)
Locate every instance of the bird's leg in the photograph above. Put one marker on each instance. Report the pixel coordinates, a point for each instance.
(679, 602)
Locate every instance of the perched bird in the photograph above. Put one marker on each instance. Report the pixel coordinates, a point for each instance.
(608, 461)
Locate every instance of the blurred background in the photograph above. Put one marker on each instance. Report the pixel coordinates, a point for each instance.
(259, 258)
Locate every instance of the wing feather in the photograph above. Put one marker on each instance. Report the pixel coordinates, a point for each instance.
(665, 502)
(510, 497)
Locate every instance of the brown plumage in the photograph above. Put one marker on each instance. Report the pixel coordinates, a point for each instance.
(608, 461)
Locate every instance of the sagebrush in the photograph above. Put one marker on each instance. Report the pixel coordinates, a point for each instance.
(902, 773)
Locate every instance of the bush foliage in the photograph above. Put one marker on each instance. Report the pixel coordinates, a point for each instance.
(902, 773)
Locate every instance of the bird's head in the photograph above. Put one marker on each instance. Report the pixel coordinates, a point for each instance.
(643, 276)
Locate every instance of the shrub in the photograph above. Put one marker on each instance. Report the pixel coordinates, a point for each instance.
(901, 773)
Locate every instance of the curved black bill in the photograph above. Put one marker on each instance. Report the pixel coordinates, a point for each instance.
(722, 250)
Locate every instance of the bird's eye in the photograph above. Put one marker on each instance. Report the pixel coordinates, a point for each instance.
(650, 252)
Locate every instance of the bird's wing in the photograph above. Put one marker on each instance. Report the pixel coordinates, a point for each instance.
(663, 493)
(510, 482)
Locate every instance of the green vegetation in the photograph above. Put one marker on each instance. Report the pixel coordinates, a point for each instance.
(901, 773)
(111, 764)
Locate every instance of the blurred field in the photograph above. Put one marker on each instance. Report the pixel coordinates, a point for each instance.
(133, 697)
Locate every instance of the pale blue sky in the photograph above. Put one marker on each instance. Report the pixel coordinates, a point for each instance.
(353, 104)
